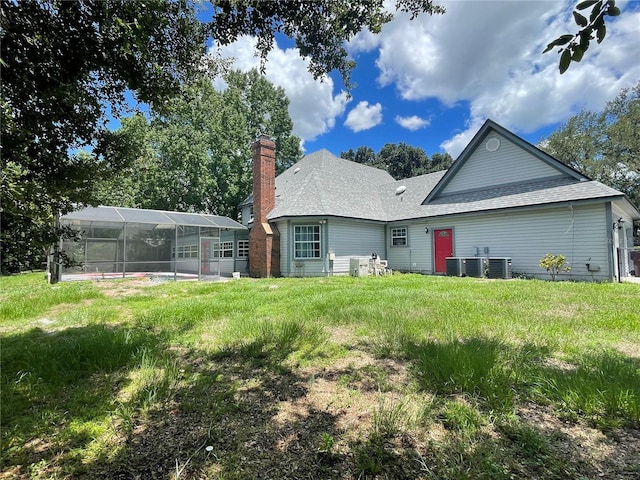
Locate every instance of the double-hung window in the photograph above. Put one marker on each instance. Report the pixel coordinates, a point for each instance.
(243, 248)
(306, 241)
(226, 249)
(186, 251)
(399, 237)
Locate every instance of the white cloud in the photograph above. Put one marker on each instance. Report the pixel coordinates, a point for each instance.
(412, 123)
(313, 106)
(364, 41)
(484, 56)
(461, 139)
(456, 55)
(488, 54)
(364, 116)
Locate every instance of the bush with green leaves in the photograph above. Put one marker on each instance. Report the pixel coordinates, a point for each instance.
(554, 264)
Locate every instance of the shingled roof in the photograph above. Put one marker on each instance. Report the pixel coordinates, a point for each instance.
(322, 184)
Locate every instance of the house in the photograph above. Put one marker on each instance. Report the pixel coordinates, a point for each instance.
(503, 202)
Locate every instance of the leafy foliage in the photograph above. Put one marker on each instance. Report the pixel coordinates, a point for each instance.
(63, 62)
(554, 264)
(67, 66)
(320, 28)
(195, 156)
(604, 145)
(400, 160)
(573, 46)
(363, 155)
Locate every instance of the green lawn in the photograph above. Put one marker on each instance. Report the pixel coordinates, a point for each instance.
(405, 376)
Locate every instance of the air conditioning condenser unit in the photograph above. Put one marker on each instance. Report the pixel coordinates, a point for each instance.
(454, 266)
(499, 268)
(475, 266)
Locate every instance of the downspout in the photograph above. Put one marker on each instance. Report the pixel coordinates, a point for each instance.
(234, 252)
(58, 263)
(325, 234)
(386, 242)
(610, 242)
(624, 239)
(289, 248)
(53, 256)
(616, 249)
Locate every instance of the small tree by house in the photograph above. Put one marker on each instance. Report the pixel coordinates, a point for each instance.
(554, 264)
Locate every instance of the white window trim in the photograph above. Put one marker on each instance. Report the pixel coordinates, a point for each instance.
(185, 251)
(243, 249)
(313, 242)
(405, 236)
(226, 249)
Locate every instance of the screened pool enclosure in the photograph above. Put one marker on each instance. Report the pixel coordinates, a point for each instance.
(119, 242)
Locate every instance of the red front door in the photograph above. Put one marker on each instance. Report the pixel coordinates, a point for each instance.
(443, 248)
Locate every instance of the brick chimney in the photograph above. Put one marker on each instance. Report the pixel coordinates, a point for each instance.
(264, 238)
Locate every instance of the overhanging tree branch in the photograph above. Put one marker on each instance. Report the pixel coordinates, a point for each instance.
(573, 46)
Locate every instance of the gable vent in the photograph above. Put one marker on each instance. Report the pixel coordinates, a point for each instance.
(492, 144)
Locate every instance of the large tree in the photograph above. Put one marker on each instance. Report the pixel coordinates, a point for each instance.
(604, 145)
(63, 65)
(400, 160)
(195, 155)
(363, 155)
(403, 161)
(68, 66)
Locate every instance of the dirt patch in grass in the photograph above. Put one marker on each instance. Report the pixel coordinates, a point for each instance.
(614, 455)
(262, 421)
(568, 311)
(235, 418)
(629, 349)
(360, 417)
(343, 336)
(124, 288)
(557, 363)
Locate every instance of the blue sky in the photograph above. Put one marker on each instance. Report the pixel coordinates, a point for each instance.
(433, 81)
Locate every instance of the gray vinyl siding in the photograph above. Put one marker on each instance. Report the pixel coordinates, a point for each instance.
(578, 233)
(284, 245)
(351, 239)
(245, 215)
(227, 265)
(241, 264)
(345, 238)
(509, 164)
(416, 255)
(291, 267)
